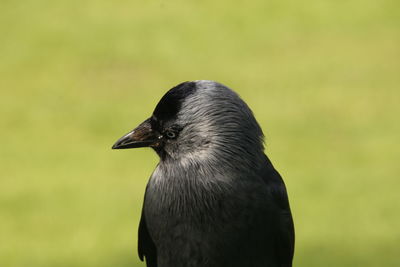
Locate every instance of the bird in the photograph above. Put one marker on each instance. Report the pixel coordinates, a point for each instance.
(214, 199)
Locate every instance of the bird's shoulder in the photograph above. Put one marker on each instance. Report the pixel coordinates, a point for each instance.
(276, 189)
(274, 184)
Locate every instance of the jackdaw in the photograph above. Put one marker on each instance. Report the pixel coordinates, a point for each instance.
(214, 199)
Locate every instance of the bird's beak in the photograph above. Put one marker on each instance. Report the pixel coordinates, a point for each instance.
(141, 136)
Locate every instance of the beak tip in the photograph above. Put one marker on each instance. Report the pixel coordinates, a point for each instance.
(116, 145)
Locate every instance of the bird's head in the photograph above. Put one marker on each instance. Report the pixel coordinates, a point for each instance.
(198, 120)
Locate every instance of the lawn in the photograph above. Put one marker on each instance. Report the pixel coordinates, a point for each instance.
(322, 77)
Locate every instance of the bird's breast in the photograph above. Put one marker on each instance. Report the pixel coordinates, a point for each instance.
(190, 200)
(193, 215)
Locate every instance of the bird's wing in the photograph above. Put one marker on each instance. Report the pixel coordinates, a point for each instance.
(146, 247)
(284, 221)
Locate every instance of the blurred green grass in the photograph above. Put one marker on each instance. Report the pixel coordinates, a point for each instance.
(322, 78)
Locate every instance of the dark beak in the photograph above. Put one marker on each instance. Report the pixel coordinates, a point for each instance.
(141, 136)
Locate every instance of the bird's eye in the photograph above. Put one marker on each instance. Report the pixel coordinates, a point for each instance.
(170, 134)
(172, 131)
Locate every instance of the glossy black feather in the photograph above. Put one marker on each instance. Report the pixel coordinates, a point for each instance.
(170, 104)
(146, 248)
(267, 240)
(285, 236)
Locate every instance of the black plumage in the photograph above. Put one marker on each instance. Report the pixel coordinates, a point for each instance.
(215, 199)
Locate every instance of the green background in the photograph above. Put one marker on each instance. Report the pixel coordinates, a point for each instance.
(322, 78)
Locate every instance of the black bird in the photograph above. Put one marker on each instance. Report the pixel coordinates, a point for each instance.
(214, 199)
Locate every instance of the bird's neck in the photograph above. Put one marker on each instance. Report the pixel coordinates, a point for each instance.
(210, 166)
